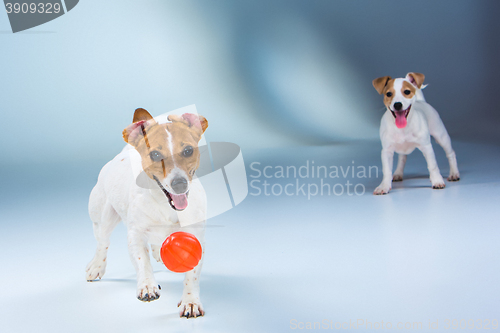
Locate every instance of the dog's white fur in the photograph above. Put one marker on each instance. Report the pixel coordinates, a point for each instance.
(149, 219)
(422, 122)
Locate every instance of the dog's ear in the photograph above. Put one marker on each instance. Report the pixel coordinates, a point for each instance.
(141, 114)
(135, 131)
(380, 83)
(417, 79)
(198, 123)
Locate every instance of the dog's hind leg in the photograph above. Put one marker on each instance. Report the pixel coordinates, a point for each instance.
(398, 174)
(443, 139)
(105, 219)
(439, 133)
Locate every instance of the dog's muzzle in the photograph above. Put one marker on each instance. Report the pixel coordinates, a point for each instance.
(178, 202)
(400, 115)
(179, 185)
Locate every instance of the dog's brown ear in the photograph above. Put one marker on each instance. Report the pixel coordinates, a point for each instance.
(141, 114)
(380, 83)
(417, 79)
(135, 131)
(197, 122)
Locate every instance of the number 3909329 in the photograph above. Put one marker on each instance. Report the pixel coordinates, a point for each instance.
(42, 8)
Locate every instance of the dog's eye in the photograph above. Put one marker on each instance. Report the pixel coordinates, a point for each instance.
(156, 156)
(389, 94)
(188, 151)
(407, 92)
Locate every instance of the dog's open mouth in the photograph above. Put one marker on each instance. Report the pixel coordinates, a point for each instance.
(178, 202)
(401, 117)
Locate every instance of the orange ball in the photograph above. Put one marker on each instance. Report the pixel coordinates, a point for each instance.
(181, 252)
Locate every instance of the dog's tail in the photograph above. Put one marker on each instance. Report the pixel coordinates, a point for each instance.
(420, 94)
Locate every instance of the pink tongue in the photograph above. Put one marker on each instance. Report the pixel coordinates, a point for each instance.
(400, 119)
(180, 201)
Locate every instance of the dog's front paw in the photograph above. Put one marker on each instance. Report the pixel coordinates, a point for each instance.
(190, 307)
(437, 182)
(382, 189)
(148, 292)
(397, 178)
(454, 177)
(95, 269)
(438, 186)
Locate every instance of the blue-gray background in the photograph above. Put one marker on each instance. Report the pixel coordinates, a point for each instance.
(265, 73)
(269, 76)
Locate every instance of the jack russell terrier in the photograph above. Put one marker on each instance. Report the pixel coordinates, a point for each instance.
(169, 157)
(407, 124)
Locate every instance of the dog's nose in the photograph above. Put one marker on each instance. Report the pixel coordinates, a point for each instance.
(398, 106)
(179, 185)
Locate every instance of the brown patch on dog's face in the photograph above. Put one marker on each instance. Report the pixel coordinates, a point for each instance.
(389, 93)
(155, 155)
(184, 145)
(408, 90)
(385, 86)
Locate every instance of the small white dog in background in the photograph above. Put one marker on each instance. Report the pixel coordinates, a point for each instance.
(169, 157)
(407, 124)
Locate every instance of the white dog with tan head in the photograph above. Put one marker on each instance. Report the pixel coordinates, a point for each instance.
(408, 123)
(174, 201)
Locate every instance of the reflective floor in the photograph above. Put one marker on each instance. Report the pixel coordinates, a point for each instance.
(274, 263)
